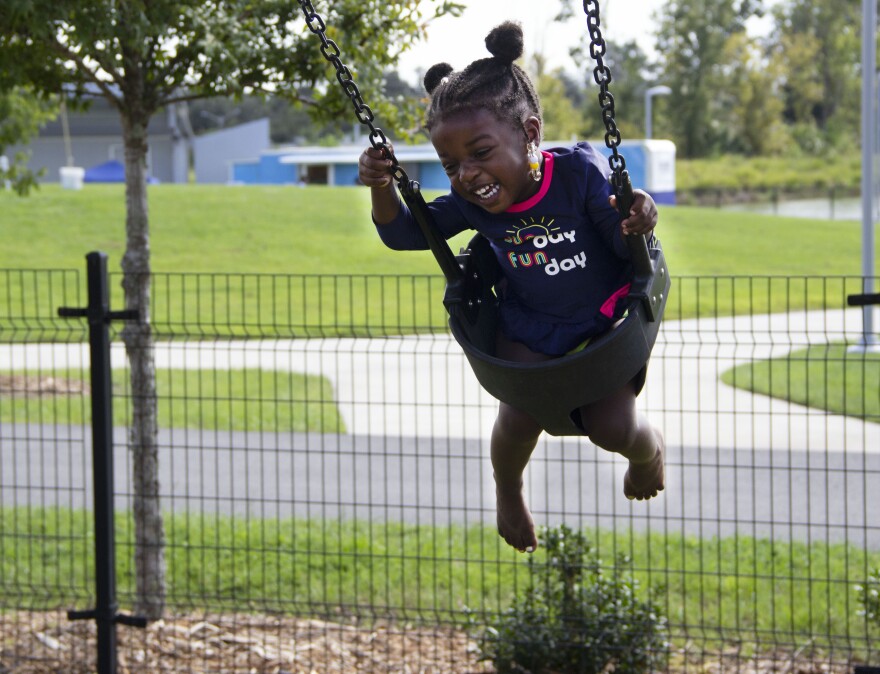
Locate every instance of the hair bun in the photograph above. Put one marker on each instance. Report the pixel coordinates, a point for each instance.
(434, 76)
(505, 42)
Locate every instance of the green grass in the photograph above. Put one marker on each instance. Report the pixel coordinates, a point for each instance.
(827, 377)
(205, 228)
(325, 230)
(231, 400)
(740, 585)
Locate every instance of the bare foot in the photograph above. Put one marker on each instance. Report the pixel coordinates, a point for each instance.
(514, 519)
(646, 479)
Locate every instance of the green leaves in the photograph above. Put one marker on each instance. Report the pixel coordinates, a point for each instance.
(576, 616)
(165, 50)
(869, 597)
(21, 115)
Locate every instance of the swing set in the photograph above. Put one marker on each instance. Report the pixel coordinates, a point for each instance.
(551, 391)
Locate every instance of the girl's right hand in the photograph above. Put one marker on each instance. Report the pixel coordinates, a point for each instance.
(374, 169)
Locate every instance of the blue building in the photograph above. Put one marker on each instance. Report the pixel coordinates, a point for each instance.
(651, 164)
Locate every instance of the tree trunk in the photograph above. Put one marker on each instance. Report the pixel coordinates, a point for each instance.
(143, 434)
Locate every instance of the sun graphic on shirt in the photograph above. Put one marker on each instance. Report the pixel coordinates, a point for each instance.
(529, 229)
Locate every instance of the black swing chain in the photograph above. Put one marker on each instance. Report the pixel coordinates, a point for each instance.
(602, 76)
(331, 53)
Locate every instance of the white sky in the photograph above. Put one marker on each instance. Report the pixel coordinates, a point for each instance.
(461, 40)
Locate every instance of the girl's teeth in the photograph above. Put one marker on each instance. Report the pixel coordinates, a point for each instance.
(487, 192)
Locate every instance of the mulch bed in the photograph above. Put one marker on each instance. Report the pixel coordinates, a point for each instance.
(40, 643)
(47, 642)
(33, 385)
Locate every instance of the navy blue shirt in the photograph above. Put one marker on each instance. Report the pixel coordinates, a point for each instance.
(563, 258)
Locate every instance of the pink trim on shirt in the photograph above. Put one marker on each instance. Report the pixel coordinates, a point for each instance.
(607, 308)
(545, 185)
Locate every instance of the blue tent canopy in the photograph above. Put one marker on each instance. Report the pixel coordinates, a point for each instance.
(109, 172)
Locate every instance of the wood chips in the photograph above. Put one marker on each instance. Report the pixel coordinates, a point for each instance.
(39, 643)
(47, 642)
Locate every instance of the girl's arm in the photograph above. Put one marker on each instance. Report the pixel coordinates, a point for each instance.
(374, 171)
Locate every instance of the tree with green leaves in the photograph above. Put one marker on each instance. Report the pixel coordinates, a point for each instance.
(752, 104)
(692, 38)
(143, 55)
(562, 119)
(818, 43)
(21, 114)
(631, 74)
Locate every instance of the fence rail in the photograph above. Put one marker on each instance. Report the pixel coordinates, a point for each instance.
(328, 501)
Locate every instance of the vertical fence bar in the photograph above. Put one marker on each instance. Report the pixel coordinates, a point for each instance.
(105, 614)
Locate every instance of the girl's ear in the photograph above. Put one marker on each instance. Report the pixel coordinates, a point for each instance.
(532, 127)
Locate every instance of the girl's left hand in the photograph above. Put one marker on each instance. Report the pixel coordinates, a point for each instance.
(642, 214)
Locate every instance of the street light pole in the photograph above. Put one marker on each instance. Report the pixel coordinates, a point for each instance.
(869, 62)
(659, 90)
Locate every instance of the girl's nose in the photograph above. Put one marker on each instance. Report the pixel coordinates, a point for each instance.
(467, 173)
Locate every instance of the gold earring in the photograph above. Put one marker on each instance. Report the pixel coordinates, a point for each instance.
(534, 156)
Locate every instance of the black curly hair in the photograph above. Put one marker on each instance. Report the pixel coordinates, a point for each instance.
(496, 83)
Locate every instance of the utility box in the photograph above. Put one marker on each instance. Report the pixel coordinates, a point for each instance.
(71, 177)
(651, 166)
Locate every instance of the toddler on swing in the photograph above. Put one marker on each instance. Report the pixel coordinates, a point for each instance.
(551, 220)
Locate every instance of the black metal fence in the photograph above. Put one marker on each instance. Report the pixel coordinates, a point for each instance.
(327, 497)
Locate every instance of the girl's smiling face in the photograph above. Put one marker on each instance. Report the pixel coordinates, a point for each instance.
(485, 157)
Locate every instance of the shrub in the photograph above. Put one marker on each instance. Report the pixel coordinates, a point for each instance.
(576, 616)
(869, 597)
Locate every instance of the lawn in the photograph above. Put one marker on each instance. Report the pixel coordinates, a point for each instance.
(830, 377)
(327, 230)
(240, 234)
(225, 400)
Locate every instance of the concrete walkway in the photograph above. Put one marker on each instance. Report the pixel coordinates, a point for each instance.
(422, 386)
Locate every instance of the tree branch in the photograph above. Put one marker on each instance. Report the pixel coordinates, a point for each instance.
(91, 75)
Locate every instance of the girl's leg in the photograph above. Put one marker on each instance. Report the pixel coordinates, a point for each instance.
(514, 437)
(615, 425)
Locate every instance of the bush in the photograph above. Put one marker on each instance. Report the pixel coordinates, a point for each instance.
(869, 597)
(576, 616)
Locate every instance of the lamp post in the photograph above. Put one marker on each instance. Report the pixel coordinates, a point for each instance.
(659, 90)
(869, 111)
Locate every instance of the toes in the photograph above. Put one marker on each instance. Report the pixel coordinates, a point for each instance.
(654, 486)
(519, 543)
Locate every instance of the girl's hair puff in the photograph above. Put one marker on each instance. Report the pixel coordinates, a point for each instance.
(495, 84)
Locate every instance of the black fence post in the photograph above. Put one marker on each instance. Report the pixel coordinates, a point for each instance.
(105, 614)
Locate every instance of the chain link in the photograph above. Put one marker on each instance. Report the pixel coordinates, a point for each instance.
(602, 76)
(331, 53)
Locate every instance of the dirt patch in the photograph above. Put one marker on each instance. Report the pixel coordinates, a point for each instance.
(42, 643)
(32, 386)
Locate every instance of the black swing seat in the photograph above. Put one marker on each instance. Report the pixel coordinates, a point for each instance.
(553, 391)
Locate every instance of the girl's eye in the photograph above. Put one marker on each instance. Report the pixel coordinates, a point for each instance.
(450, 169)
(481, 153)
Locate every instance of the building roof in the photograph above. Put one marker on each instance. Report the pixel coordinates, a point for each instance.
(349, 154)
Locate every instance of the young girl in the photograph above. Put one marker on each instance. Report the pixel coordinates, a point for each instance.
(485, 124)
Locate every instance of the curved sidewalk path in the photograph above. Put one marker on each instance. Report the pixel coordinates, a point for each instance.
(422, 385)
